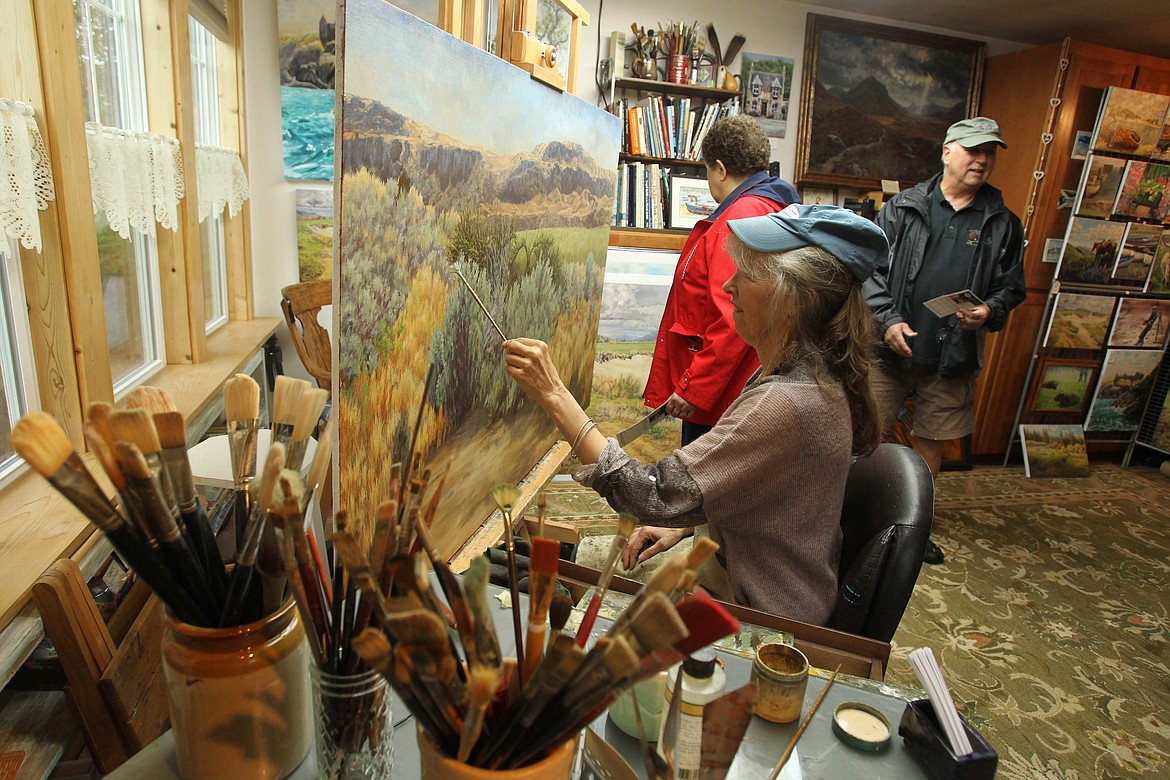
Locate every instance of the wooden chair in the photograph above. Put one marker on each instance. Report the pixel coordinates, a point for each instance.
(301, 304)
(115, 680)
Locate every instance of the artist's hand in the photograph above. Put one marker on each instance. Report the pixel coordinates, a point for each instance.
(973, 318)
(529, 363)
(896, 336)
(648, 540)
(677, 406)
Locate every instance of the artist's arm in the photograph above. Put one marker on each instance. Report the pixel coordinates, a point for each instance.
(529, 363)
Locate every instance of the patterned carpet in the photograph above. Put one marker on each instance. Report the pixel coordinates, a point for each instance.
(1049, 617)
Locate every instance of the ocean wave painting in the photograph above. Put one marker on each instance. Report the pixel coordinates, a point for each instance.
(306, 129)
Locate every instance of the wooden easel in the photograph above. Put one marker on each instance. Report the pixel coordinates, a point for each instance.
(492, 530)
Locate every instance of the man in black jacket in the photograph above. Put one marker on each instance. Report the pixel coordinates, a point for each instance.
(948, 234)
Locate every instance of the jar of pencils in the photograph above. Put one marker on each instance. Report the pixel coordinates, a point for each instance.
(355, 733)
(436, 765)
(239, 697)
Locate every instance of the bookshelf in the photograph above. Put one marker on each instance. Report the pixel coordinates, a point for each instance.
(647, 163)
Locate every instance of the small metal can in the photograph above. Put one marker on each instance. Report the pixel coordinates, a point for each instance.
(780, 673)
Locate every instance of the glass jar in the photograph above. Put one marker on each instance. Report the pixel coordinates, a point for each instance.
(355, 733)
(239, 697)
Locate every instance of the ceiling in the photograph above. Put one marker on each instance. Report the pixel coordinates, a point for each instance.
(1137, 25)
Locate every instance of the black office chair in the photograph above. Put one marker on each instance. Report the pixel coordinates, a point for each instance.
(886, 518)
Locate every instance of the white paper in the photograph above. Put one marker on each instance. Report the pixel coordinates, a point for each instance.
(946, 305)
(929, 673)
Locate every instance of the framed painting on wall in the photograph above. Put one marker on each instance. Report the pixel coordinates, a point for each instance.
(1062, 386)
(876, 101)
(308, 52)
(690, 201)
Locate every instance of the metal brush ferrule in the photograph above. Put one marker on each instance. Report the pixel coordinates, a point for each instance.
(178, 471)
(242, 447)
(154, 507)
(74, 481)
(294, 454)
(282, 432)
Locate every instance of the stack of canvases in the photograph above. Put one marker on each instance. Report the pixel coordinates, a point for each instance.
(1096, 369)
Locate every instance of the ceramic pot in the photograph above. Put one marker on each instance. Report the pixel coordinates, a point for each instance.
(438, 766)
(239, 697)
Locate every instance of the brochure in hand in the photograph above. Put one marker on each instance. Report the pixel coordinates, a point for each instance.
(946, 305)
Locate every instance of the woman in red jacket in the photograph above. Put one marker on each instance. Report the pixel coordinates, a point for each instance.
(700, 363)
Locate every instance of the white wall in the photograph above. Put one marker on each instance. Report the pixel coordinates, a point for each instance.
(771, 27)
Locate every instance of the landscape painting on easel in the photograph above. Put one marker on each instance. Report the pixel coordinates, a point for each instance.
(449, 154)
(308, 56)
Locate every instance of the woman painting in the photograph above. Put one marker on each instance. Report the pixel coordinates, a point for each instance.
(769, 478)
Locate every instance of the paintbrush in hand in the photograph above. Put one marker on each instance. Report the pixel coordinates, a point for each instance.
(626, 526)
(506, 496)
(39, 439)
(241, 407)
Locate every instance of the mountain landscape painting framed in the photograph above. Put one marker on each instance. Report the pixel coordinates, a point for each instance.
(876, 101)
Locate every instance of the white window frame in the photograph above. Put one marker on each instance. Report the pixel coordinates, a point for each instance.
(131, 111)
(21, 392)
(205, 87)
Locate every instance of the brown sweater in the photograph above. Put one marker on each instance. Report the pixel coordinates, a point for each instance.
(769, 478)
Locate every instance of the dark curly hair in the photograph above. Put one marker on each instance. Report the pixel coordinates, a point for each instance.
(740, 143)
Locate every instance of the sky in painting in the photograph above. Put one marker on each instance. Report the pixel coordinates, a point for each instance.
(302, 16)
(453, 87)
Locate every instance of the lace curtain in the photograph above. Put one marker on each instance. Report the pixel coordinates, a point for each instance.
(26, 181)
(137, 178)
(221, 180)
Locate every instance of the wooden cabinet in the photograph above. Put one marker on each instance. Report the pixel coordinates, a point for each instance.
(1041, 97)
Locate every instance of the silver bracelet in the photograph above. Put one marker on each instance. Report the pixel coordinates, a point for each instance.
(589, 424)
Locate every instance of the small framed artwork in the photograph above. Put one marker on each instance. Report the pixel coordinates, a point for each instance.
(1054, 451)
(818, 195)
(1052, 249)
(1062, 386)
(1081, 144)
(690, 201)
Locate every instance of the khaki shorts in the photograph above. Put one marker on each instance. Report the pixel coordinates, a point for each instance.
(944, 407)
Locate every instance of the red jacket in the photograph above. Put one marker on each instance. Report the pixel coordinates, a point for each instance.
(698, 353)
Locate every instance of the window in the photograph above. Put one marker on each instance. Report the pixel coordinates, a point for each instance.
(205, 85)
(17, 373)
(113, 85)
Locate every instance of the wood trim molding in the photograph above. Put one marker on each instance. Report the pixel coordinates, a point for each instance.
(233, 132)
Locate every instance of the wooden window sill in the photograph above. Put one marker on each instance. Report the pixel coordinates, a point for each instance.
(39, 526)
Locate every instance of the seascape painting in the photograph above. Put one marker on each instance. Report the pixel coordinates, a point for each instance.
(314, 234)
(637, 282)
(519, 196)
(308, 59)
(876, 101)
(1091, 248)
(1127, 378)
(1079, 321)
(767, 85)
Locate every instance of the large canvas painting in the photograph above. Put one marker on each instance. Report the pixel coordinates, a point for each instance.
(1127, 379)
(315, 234)
(308, 62)
(876, 101)
(449, 155)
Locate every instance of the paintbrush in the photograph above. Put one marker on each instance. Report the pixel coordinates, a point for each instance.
(713, 39)
(239, 583)
(626, 525)
(703, 548)
(135, 426)
(422, 637)
(39, 439)
(656, 766)
(241, 404)
(506, 496)
(464, 620)
(286, 401)
(737, 42)
(803, 725)
(373, 647)
(291, 492)
(482, 683)
(310, 404)
(151, 399)
(313, 626)
(558, 616)
(541, 506)
(542, 579)
(100, 447)
(475, 579)
(669, 739)
(172, 434)
(725, 721)
(142, 481)
(480, 303)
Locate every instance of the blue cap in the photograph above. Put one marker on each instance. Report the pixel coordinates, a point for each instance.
(858, 243)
